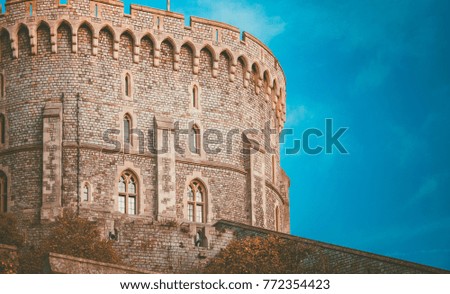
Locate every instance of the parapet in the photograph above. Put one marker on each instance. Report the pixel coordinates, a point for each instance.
(218, 38)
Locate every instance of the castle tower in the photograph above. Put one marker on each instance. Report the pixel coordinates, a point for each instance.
(114, 115)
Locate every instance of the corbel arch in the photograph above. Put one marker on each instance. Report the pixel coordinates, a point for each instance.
(232, 64)
(246, 69)
(195, 55)
(215, 58)
(175, 49)
(257, 77)
(94, 36)
(54, 35)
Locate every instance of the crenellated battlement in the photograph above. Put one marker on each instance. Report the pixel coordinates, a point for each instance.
(159, 26)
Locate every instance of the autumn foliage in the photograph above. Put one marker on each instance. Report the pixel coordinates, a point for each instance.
(267, 255)
(69, 235)
(9, 235)
(9, 231)
(79, 237)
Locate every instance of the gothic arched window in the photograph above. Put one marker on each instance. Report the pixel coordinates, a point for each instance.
(196, 202)
(3, 192)
(128, 193)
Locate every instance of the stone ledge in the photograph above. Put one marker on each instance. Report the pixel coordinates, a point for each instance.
(210, 164)
(110, 2)
(213, 23)
(4, 247)
(136, 7)
(65, 264)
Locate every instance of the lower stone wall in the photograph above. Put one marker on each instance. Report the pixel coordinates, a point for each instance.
(167, 247)
(339, 260)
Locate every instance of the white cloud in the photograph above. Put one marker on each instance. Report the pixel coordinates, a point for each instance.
(429, 186)
(297, 114)
(371, 77)
(404, 143)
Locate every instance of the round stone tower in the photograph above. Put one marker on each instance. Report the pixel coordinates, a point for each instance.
(138, 117)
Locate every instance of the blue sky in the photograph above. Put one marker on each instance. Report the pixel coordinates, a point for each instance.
(382, 69)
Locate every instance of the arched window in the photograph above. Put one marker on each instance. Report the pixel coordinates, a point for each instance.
(277, 218)
(2, 129)
(195, 96)
(127, 85)
(127, 129)
(85, 192)
(128, 191)
(195, 139)
(196, 196)
(3, 192)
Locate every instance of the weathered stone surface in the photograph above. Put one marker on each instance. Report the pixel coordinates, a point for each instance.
(73, 72)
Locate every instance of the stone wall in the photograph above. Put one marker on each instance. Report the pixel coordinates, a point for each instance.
(168, 247)
(65, 99)
(339, 260)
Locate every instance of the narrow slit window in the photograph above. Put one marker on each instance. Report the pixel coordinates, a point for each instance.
(2, 86)
(127, 85)
(3, 193)
(195, 140)
(277, 218)
(273, 168)
(96, 10)
(127, 129)
(2, 128)
(31, 9)
(85, 193)
(195, 97)
(217, 35)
